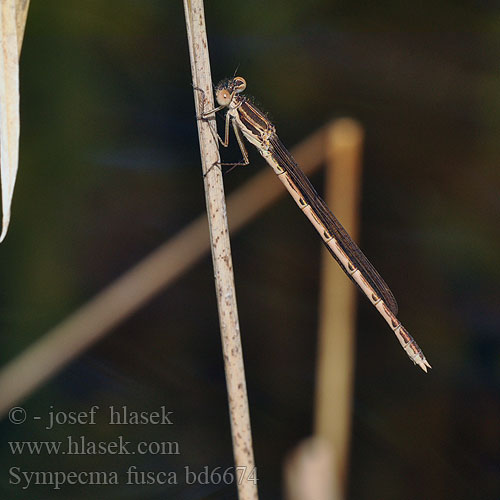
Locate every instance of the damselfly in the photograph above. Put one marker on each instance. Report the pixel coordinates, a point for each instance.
(248, 120)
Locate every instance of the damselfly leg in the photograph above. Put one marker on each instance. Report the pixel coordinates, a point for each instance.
(224, 142)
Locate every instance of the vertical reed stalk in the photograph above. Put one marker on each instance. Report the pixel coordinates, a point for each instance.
(221, 254)
(338, 297)
(310, 473)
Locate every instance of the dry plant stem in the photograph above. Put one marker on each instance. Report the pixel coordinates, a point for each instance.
(221, 255)
(336, 340)
(120, 299)
(9, 106)
(22, 7)
(12, 22)
(309, 472)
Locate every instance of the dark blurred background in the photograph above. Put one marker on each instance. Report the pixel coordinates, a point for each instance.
(110, 169)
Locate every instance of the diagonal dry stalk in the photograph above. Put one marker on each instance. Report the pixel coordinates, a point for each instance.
(123, 297)
(221, 256)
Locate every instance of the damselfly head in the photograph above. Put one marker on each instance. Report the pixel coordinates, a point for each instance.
(225, 90)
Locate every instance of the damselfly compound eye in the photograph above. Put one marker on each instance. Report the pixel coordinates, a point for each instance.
(239, 84)
(223, 97)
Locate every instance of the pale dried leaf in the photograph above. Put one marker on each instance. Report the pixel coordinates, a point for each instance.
(22, 7)
(9, 106)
